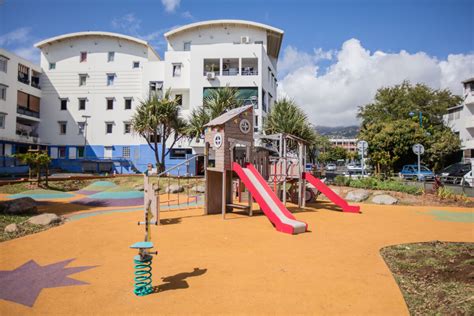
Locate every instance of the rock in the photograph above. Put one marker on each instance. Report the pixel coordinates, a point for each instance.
(357, 195)
(384, 199)
(11, 228)
(199, 188)
(24, 205)
(44, 219)
(174, 188)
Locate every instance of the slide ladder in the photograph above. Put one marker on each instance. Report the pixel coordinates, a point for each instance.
(330, 194)
(273, 208)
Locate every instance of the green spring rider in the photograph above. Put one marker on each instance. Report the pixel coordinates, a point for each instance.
(143, 261)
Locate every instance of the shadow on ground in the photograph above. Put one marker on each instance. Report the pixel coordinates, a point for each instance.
(178, 281)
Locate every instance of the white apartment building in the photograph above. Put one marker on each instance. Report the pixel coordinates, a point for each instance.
(20, 114)
(461, 120)
(349, 144)
(91, 83)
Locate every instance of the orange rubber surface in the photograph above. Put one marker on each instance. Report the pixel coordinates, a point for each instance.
(243, 265)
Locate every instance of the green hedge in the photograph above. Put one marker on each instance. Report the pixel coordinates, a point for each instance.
(376, 184)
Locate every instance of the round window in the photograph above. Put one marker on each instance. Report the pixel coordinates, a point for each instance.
(244, 126)
(218, 140)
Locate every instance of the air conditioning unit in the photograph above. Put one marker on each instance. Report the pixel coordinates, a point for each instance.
(211, 75)
(244, 39)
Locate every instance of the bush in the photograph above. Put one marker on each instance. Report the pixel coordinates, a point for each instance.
(376, 184)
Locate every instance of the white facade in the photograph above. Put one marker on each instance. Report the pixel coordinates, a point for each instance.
(100, 77)
(20, 95)
(461, 119)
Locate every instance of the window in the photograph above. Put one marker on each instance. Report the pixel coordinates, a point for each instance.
(179, 99)
(3, 64)
(83, 57)
(156, 88)
(80, 152)
(264, 101)
(230, 67)
(110, 104)
(176, 70)
(28, 104)
(255, 128)
(151, 138)
(109, 127)
(249, 67)
(52, 66)
(35, 79)
(110, 57)
(62, 152)
(3, 92)
(128, 103)
(180, 153)
(110, 79)
(62, 128)
(108, 152)
(2, 120)
(64, 104)
(187, 46)
(212, 65)
(136, 64)
(23, 74)
(82, 104)
(127, 127)
(126, 152)
(82, 127)
(82, 79)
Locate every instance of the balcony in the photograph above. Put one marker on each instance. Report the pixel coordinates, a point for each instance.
(230, 67)
(469, 122)
(27, 131)
(25, 111)
(35, 80)
(23, 78)
(469, 100)
(212, 66)
(249, 67)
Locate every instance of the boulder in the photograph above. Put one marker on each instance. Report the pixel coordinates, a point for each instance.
(24, 205)
(384, 199)
(11, 228)
(357, 195)
(174, 188)
(199, 188)
(44, 219)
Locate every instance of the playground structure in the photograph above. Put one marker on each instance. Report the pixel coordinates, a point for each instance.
(236, 172)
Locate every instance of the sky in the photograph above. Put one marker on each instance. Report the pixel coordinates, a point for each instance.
(334, 56)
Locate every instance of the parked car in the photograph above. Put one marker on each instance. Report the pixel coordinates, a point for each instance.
(331, 167)
(353, 166)
(454, 173)
(356, 174)
(468, 179)
(410, 172)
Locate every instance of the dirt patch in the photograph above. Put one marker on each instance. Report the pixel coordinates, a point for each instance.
(436, 278)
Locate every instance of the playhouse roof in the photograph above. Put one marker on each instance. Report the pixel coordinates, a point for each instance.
(227, 116)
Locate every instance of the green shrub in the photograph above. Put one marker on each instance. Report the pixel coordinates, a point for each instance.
(372, 183)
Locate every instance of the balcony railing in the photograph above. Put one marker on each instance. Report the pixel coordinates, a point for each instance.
(23, 78)
(35, 82)
(248, 71)
(25, 111)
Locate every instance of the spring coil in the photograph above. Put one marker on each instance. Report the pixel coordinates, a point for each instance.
(143, 275)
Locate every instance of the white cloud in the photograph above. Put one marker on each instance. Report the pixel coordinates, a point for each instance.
(30, 53)
(187, 15)
(333, 96)
(128, 23)
(19, 35)
(170, 5)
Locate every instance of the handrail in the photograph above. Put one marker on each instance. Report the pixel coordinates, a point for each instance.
(179, 165)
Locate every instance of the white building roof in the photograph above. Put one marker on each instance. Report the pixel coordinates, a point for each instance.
(227, 116)
(274, 35)
(67, 36)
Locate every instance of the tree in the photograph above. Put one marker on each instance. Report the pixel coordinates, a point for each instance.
(157, 120)
(286, 117)
(217, 102)
(391, 131)
(36, 161)
(333, 154)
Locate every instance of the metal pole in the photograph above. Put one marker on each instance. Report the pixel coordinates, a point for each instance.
(285, 166)
(419, 169)
(421, 119)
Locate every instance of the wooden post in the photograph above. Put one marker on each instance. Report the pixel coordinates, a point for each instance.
(285, 170)
(224, 193)
(300, 171)
(206, 165)
(249, 195)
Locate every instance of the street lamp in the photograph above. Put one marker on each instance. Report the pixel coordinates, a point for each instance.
(420, 115)
(85, 132)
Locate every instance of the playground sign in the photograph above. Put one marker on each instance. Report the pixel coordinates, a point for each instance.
(419, 150)
(362, 146)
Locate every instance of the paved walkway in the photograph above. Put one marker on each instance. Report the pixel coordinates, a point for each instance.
(238, 266)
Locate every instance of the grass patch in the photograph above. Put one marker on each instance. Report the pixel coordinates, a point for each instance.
(24, 228)
(436, 278)
(376, 184)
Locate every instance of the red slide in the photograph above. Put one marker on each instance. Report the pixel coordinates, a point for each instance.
(273, 208)
(336, 199)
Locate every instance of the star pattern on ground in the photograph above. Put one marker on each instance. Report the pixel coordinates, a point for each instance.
(24, 284)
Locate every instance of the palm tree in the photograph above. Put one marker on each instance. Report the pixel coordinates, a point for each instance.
(217, 102)
(157, 119)
(286, 117)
